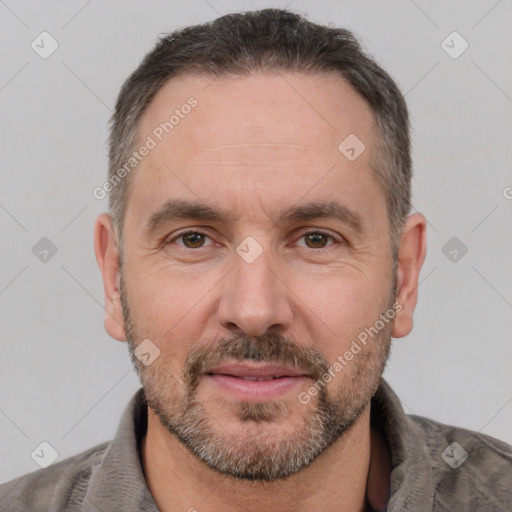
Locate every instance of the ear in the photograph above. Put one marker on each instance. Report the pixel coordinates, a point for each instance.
(105, 248)
(411, 255)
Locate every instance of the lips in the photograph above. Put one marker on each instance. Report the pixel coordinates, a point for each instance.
(254, 372)
(255, 382)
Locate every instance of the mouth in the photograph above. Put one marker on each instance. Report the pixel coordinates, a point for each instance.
(250, 381)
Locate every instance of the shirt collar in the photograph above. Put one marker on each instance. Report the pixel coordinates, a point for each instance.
(411, 472)
(121, 470)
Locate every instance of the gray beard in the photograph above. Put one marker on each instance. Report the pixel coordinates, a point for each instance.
(256, 458)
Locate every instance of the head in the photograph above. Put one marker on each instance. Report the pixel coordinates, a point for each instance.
(265, 227)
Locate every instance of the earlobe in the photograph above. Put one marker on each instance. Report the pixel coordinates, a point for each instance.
(411, 256)
(105, 248)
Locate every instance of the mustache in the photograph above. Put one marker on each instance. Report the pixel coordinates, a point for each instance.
(268, 348)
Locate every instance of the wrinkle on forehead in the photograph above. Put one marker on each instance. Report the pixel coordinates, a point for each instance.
(257, 154)
(259, 110)
(258, 145)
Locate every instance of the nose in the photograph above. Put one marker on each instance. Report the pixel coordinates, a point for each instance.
(254, 299)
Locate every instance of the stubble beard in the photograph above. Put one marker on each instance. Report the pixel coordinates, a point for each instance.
(271, 447)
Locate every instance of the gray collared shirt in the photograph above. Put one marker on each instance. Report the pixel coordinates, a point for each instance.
(435, 467)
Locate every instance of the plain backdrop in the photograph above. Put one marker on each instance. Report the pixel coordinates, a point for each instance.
(65, 381)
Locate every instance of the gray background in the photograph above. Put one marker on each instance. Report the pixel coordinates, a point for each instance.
(63, 380)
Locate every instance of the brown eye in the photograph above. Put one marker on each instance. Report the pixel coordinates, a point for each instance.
(192, 240)
(316, 240)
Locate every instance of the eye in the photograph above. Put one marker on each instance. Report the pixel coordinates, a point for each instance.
(317, 239)
(192, 239)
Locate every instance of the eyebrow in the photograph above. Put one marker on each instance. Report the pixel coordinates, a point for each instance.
(320, 210)
(179, 209)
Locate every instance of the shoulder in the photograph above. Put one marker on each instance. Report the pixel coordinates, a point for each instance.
(467, 467)
(58, 487)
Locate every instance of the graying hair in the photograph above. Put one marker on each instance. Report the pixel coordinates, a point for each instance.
(269, 40)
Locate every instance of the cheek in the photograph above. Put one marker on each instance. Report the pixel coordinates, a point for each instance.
(169, 310)
(341, 307)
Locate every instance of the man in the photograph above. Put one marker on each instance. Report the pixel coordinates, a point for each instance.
(258, 257)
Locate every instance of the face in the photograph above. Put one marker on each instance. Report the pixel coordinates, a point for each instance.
(257, 257)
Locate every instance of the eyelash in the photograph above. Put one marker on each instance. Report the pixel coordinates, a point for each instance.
(196, 232)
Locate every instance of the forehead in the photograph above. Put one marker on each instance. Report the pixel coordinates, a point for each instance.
(308, 110)
(261, 133)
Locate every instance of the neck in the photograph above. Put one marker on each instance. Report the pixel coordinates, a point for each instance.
(336, 480)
